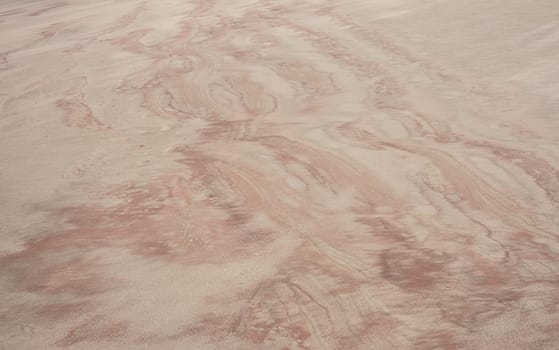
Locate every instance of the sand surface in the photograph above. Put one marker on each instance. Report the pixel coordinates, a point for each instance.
(266, 174)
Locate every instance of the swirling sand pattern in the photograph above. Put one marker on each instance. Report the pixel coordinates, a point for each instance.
(212, 174)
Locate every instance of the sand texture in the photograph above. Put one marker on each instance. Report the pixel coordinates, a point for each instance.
(279, 174)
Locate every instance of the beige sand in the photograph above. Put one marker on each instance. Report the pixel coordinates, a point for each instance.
(260, 174)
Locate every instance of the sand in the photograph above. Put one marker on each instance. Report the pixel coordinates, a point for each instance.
(258, 174)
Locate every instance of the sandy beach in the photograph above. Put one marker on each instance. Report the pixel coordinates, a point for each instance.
(259, 174)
